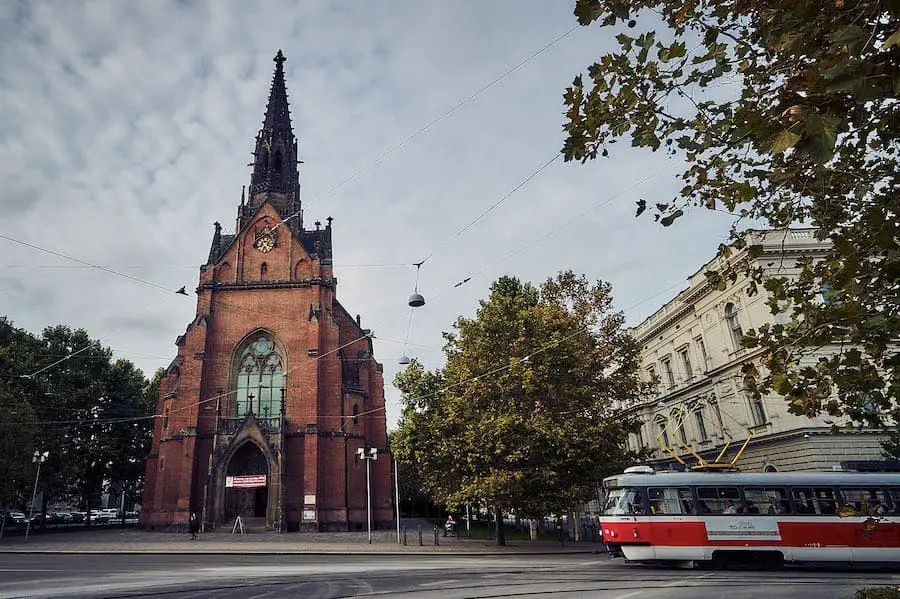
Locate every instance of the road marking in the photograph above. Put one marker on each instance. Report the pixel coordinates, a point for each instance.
(31, 570)
(438, 582)
(674, 583)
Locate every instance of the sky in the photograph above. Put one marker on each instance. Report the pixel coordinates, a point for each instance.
(126, 128)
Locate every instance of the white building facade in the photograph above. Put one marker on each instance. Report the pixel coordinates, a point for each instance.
(692, 347)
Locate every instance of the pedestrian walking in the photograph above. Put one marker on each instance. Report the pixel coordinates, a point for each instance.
(194, 525)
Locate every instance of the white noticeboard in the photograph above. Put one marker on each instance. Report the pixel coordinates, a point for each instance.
(246, 481)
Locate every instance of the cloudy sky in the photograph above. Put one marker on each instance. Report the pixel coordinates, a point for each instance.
(125, 128)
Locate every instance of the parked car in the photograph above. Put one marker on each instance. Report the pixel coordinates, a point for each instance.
(15, 519)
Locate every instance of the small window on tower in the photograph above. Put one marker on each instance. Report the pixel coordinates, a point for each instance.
(277, 163)
(355, 414)
(263, 269)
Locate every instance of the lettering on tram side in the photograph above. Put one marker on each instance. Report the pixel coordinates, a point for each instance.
(742, 529)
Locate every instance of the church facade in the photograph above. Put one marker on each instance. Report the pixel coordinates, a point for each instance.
(275, 389)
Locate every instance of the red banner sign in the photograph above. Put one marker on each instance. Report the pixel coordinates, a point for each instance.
(246, 481)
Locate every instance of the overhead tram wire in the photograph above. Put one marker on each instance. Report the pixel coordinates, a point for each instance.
(384, 155)
(506, 257)
(90, 344)
(91, 265)
(445, 243)
(444, 115)
(489, 209)
(511, 254)
(366, 168)
(470, 379)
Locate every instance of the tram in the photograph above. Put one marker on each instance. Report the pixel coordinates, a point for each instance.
(716, 518)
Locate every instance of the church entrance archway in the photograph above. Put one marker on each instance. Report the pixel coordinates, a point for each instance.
(248, 472)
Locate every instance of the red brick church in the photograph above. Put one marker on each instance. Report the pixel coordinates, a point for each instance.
(275, 387)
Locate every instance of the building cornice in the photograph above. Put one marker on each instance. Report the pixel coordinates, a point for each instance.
(267, 285)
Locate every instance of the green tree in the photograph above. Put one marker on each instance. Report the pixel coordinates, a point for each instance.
(17, 352)
(784, 112)
(525, 413)
(129, 425)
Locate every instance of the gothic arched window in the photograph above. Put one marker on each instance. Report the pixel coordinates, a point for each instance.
(260, 374)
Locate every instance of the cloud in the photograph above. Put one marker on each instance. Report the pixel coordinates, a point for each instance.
(126, 129)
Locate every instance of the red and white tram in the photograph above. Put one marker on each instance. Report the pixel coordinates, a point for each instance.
(764, 518)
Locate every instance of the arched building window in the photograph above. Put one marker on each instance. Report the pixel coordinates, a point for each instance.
(260, 374)
(663, 435)
(734, 324)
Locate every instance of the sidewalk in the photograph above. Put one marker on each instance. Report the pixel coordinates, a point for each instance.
(133, 541)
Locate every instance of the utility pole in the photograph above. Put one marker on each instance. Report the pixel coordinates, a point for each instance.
(368, 454)
(38, 458)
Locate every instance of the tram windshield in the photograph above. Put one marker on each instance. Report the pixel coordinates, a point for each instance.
(626, 500)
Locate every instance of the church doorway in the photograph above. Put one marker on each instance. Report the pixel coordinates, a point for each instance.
(247, 483)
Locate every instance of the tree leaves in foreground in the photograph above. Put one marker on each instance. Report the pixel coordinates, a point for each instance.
(784, 112)
(524, 415)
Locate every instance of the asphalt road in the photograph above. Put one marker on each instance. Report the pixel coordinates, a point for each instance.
(414, 576)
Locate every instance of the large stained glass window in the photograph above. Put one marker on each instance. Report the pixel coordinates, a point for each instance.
(260, 375)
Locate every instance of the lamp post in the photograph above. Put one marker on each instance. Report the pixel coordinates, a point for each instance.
(397, 495)
(368, 454)
(38, 458)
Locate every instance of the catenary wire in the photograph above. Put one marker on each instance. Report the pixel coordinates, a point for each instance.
(443, 115)
(87, 264)
(218, 396)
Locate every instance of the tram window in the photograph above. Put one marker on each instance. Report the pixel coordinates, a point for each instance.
(804, 501)
(712, 500)
(894, 492)
(825, 498)
(862, 501)
(670, 500)
(771, 501)
(626, 501)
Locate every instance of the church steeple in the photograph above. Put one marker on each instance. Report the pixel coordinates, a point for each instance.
(275, 176)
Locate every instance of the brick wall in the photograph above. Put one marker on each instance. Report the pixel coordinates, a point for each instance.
(292, 299)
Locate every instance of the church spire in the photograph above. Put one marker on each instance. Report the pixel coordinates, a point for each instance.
(278, 113)
(275, 177)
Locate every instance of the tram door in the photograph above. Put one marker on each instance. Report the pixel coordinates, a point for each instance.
(666, 504)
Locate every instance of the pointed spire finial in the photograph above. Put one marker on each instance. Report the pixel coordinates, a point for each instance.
(278, 114)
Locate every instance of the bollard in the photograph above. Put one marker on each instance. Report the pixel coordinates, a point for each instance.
(436, 540)
(420, 536)
(404, 535)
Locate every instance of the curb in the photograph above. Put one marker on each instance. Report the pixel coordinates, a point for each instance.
(292, 552)
(239, 550)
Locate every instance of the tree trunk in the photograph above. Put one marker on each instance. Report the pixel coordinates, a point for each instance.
(501, 531)
(575, 516)
(44, 501)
